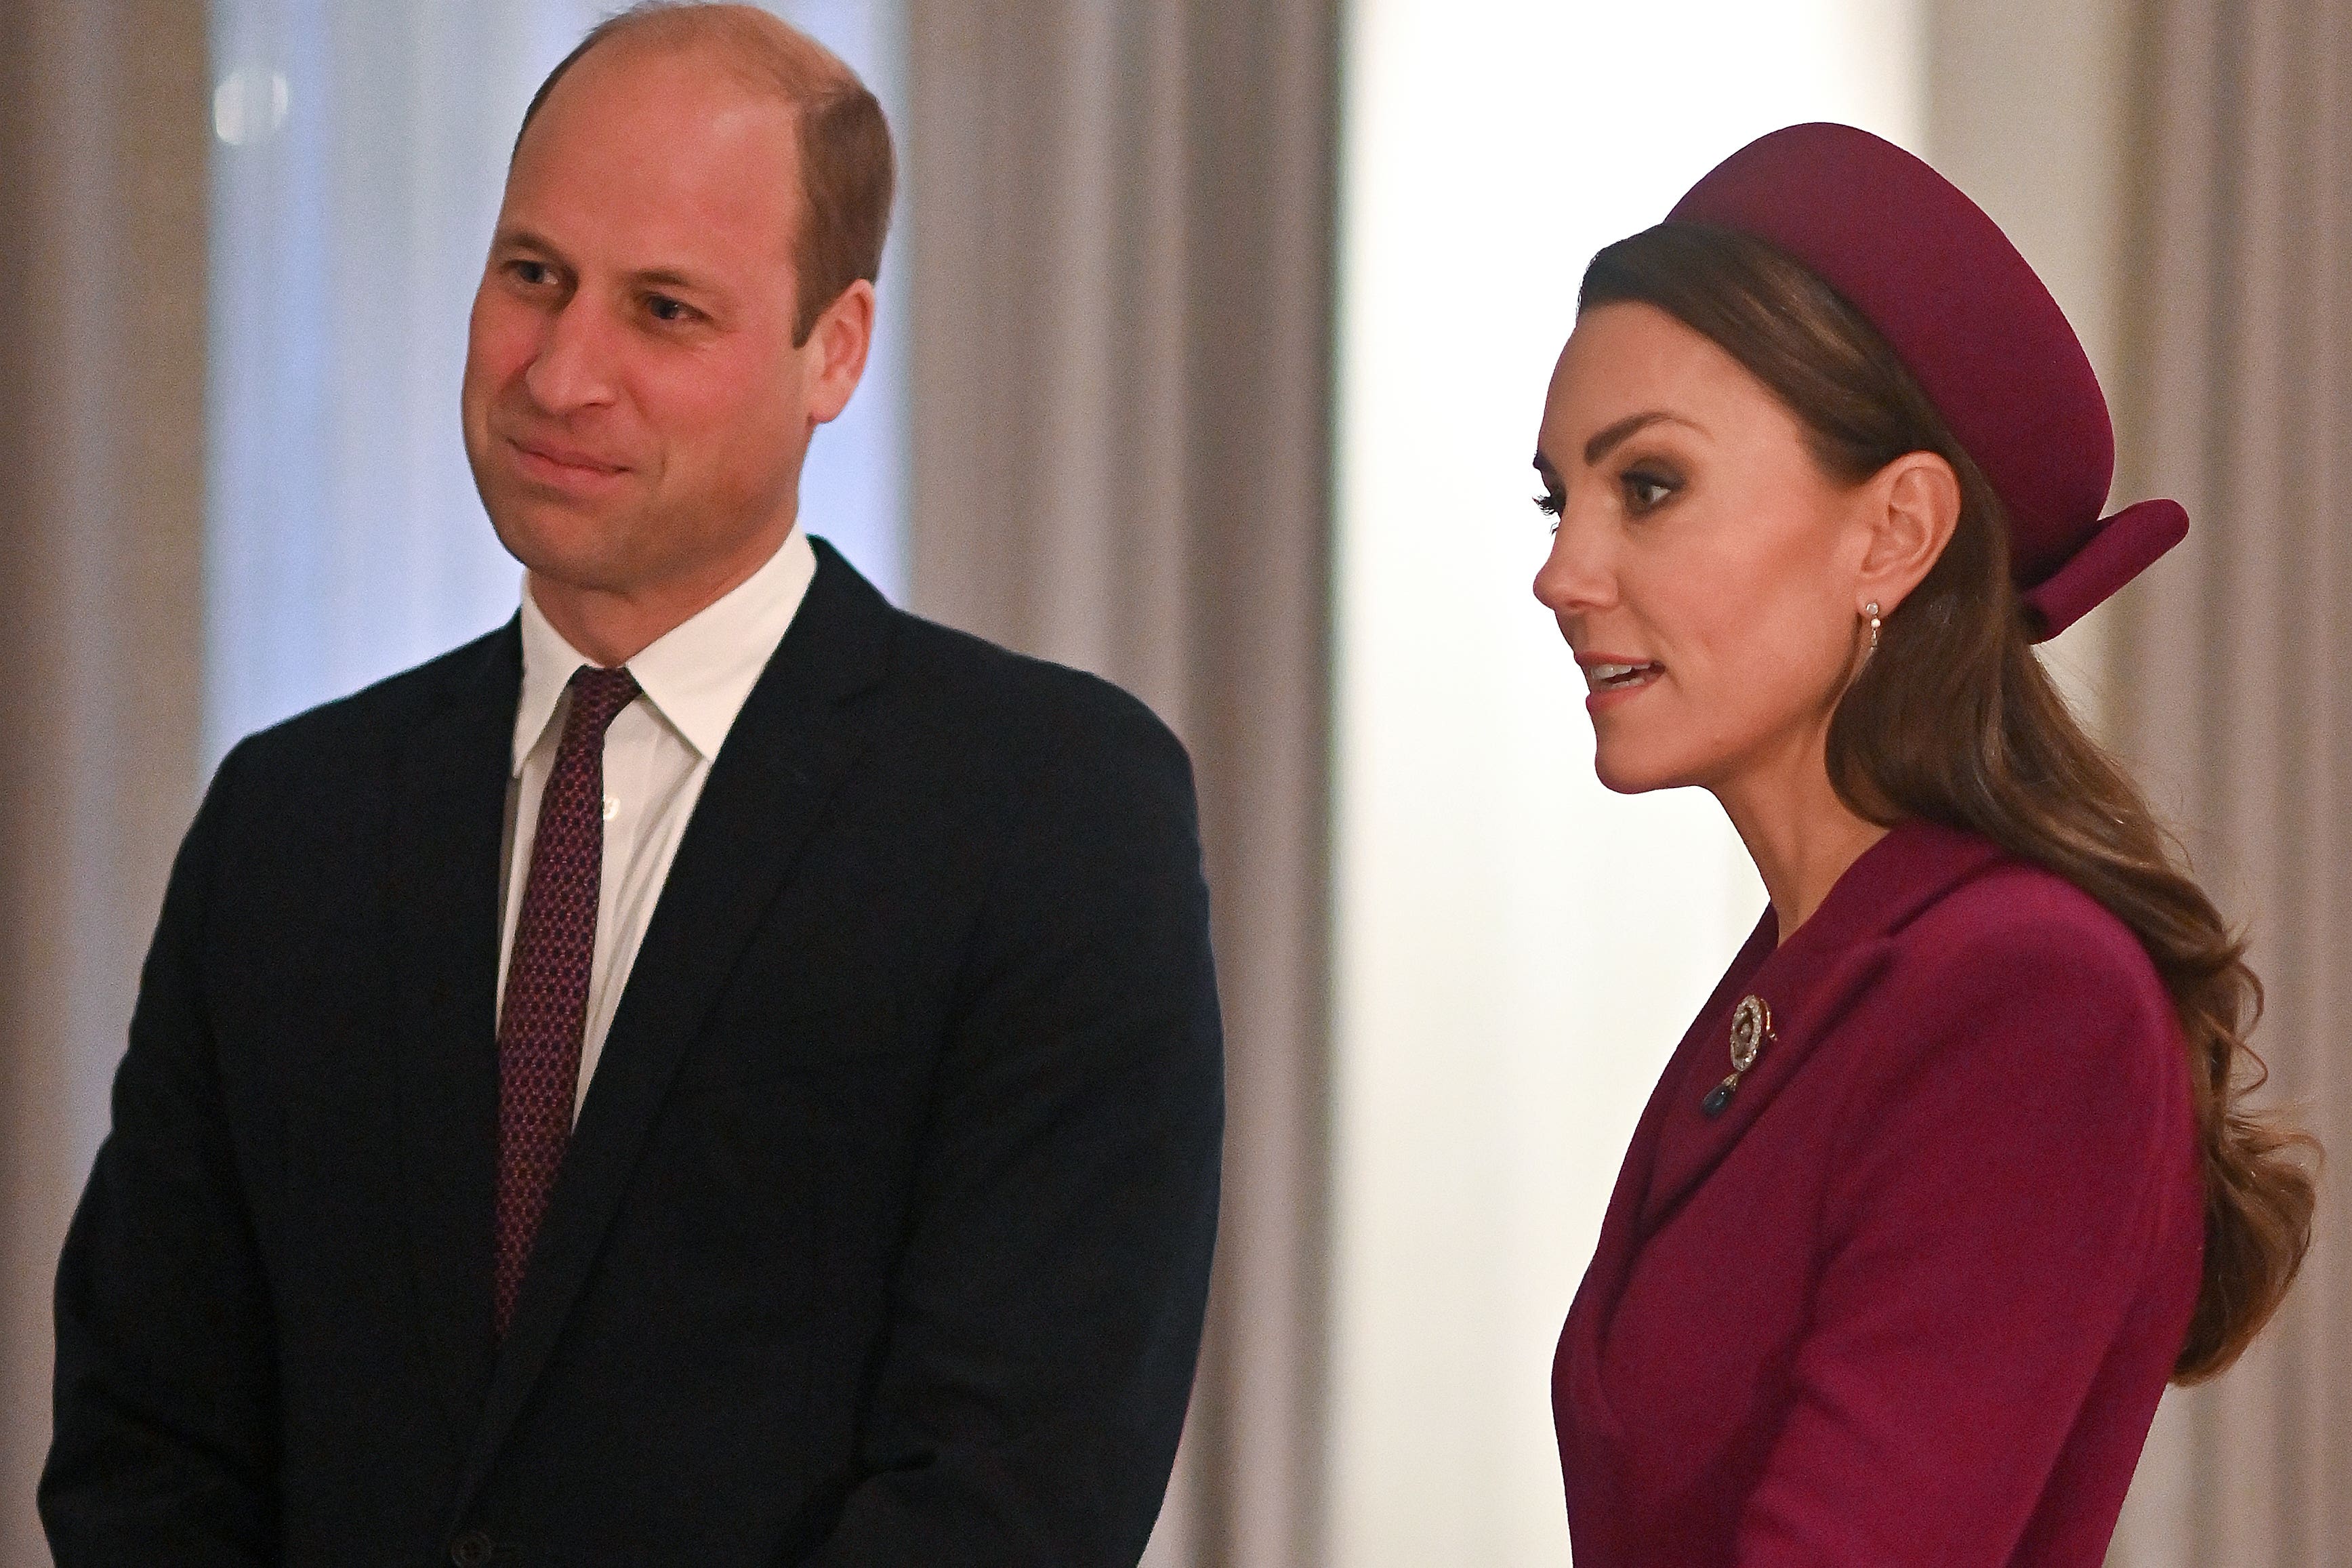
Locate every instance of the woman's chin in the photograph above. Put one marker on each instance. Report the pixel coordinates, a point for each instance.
(1622, 775)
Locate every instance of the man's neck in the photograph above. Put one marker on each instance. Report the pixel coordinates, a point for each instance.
(613, 627)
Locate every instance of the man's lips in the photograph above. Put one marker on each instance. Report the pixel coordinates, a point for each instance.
(561, 465)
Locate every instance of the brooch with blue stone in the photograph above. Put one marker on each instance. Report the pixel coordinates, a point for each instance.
(1752, 1031)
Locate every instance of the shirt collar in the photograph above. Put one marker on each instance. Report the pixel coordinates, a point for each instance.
(698, 675)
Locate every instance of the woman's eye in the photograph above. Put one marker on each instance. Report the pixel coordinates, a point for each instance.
(1644, 490)
(1550, 503)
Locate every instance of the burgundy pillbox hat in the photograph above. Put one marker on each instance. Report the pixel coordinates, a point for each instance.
(1976, 330)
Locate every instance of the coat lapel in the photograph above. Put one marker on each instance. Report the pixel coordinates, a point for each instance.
(1582, 1412)
(1809, 983)
(448, 819)
(788, 751)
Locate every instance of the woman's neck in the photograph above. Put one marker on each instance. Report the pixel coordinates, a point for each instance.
(1799, 834)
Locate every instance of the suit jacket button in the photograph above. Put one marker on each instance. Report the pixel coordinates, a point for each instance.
(471, 1550)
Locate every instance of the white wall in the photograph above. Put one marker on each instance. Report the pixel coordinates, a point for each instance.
(1517, 952)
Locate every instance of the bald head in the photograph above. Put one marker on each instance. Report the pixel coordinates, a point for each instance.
(847, 171)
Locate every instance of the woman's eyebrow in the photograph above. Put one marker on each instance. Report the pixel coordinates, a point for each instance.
(1600, 444)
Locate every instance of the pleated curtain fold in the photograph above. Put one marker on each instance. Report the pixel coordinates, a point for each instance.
(1120, 385)
(103, 135)
(2234, 680)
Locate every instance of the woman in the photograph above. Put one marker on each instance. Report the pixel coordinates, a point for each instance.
(1953, 1172)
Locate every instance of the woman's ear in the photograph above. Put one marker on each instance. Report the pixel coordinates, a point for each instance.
(1911, 507)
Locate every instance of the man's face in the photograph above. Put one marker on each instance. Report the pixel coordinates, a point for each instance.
(635, 410)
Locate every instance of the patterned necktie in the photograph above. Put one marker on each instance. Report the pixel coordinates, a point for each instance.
(547, 977)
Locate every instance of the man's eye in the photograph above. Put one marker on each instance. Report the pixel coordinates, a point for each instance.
(531, 274)
(662, 308)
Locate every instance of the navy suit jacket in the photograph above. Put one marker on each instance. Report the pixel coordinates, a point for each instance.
(884, 1233)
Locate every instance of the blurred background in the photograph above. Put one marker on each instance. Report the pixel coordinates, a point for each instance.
(1214, 339)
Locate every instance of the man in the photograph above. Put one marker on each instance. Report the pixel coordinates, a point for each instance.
(719, 1071)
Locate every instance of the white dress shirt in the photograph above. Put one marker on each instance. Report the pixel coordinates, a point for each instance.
(657, 753)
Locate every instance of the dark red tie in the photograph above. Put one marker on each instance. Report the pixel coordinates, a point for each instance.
(547, 977)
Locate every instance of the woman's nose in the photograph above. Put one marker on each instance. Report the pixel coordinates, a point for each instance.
(1576, 576)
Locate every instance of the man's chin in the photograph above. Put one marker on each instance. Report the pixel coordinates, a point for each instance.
(565, 544)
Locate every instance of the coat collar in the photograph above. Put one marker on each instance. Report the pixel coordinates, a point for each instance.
(1810, 982)
(779, 767)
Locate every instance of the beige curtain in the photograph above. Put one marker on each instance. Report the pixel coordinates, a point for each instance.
(2234, 679)
(102, 225)
(1119, 381)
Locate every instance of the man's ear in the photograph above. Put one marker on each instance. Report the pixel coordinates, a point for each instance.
(1911, 505)
(840, 340)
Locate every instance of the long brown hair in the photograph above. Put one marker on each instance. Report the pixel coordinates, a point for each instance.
(1954, 720)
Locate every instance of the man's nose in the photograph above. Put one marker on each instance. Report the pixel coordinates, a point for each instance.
(573, 366)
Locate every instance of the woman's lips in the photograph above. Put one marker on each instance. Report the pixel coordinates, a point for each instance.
(1610, 679)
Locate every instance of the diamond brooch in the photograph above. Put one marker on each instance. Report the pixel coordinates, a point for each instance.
(1752, 1031)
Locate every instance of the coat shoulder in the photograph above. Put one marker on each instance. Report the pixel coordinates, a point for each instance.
(1023, 705)
(374, 718)
(2030, 973)
(2016, 923)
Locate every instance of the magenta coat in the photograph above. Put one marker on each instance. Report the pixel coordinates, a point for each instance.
(1912, 1295)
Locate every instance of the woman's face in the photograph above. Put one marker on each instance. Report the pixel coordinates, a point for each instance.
(1703, 569)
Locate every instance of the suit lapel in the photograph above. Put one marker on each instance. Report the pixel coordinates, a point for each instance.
(786, 754)
(448, 816)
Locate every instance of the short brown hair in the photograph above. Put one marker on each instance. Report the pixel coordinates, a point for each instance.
(848, 171)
